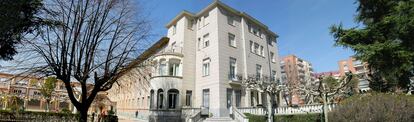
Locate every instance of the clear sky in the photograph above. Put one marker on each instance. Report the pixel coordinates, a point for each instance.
(303, 25)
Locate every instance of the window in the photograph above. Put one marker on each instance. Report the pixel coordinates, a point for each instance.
(206, 98)
(199, 23)
(272, 57)
(188, 98)
(258, 71)
(251, 46)
(273, 75)
(173, 47)
(230, 20)
(206, 67)
(199, 43)
(206, 19)
(174, 29)
(261, 51)
(229, 98)
(238, 97)
(160, 98)
(206, 40)
(172, 98)
(256, 48)
(163, 67)
(190, 24)
(232, 41)
(174, 67)
(233, 70)
(269, 40)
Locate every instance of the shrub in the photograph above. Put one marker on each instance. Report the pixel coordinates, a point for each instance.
(286, 118)
(375, 108)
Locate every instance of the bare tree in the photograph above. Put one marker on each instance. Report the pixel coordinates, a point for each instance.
(91, 42)
(326, 89)
(268, 85)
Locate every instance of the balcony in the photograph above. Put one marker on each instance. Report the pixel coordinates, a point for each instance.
(176, 51)
(234, 79)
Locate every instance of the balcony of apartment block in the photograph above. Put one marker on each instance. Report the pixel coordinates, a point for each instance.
(171, 51)
(234, 79)
(166, 73)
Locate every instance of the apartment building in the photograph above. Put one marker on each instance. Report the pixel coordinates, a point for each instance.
(355, 67)
(197, 64)
(26, 90)
(334, 74)
(296, 71)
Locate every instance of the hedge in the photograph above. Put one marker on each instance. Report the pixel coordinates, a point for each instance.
(286, 118)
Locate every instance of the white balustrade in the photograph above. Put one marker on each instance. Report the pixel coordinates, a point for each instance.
(307, 109)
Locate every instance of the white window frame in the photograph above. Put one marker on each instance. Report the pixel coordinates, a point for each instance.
(206, 67)
(232, 40)
(232, 63)
(174, 29)
(206, 40)
(261, 50)
(258, 71)
(256, 48)
(231, 20)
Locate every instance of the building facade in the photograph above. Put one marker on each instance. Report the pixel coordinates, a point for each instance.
(197, 64)
(357, 67)
(24, 92)
(296, 71)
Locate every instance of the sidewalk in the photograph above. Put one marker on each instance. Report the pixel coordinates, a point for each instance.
(128, 119)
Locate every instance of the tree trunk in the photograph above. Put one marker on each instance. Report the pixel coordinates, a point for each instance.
(83, 115)
(47, 106)
(325, 107)
(270, 111)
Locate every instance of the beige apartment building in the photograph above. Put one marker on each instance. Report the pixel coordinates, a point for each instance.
(355, 67)
(196, 66)
(296, 71)
(27, 91)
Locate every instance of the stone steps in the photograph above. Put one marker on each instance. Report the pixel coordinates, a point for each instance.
(219, 119)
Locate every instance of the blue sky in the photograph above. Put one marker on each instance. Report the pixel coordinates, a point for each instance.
(303, 25)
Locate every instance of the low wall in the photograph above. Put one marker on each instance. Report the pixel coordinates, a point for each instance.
(37, 116)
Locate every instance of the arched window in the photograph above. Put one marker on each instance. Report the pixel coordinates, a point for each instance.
(172, 98)
(162, 70)
(160, 98)
(151, 99)
(174, 67)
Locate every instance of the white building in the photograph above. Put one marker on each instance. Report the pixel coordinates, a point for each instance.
(196, 65)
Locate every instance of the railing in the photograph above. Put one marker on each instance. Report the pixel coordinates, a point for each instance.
(188, 112)
(288, 110)
(191, 114)
(238, 115)
(253, 110)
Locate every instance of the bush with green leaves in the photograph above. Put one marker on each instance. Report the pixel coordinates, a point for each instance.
(375, 107)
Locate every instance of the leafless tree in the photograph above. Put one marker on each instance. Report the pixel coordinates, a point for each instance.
(322, 90)
(271, 86)
(91, 42)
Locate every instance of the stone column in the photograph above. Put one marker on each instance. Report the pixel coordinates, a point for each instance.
(247, 97)
(25, 100)
(165, 101)
(260, 102)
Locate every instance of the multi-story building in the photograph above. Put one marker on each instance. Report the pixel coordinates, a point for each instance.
(296, 71)
(197, 65)
(334, 74)
(26, 90)
(355, 67)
